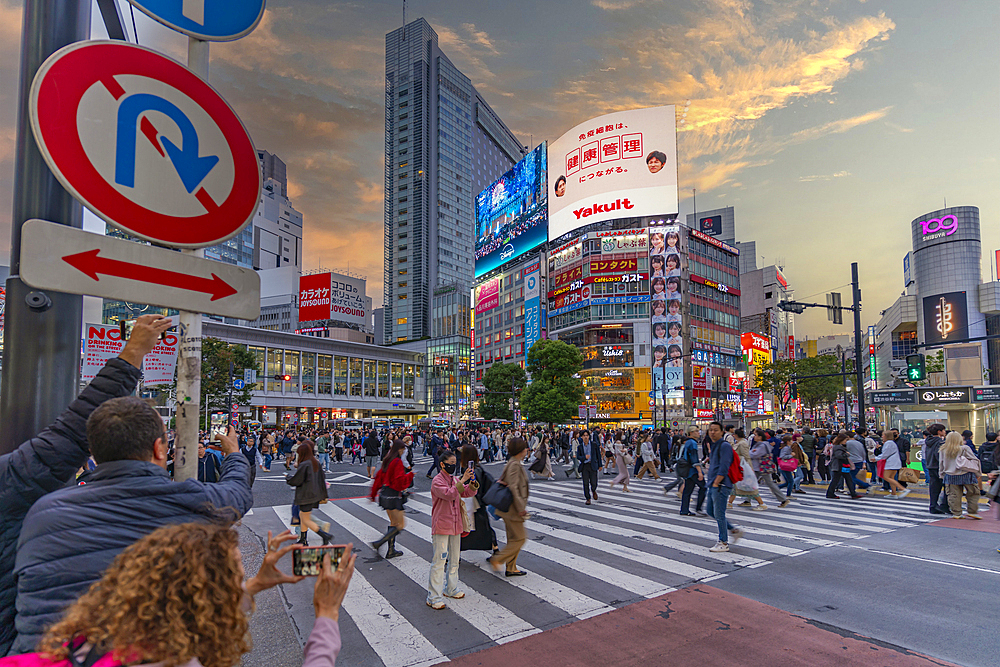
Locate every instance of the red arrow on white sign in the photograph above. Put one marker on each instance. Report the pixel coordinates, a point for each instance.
(54, 257)
(92, 264)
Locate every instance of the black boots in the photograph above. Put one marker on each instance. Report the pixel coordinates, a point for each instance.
(392, 551)
(302, 537)
(390, 536)
(327, 537)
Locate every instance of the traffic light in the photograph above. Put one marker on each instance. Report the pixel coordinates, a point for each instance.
(916, 367)
(285, 378)
(793, 391)
(791, 307)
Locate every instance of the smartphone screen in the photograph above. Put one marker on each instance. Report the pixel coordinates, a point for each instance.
(308, 560)
(218, 426)
(472, 465)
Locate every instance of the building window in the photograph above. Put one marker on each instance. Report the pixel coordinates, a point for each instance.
(383, 378)
(356, 377)
(401, 320)
(371, 378)
(308, 373)
(324, 365)
(340, 376)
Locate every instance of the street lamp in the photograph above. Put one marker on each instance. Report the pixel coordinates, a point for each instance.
(741, 372)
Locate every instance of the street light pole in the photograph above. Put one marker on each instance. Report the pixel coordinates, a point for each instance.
(859, 371)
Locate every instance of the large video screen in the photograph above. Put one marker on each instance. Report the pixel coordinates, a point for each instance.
(620, 165)
(511, 214)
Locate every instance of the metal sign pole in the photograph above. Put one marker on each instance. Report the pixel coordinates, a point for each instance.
(189, 347)
(42, 330)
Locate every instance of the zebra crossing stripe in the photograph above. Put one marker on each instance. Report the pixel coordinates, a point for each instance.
(581, 565)
(629, 499)
(677, 545)
(493, 620)
(672, 526)
(390, 635)
(562, 597)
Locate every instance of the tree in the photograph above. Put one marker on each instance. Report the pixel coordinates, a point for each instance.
(554, 394)
(498, 379)
(815, 392)
(215, 357)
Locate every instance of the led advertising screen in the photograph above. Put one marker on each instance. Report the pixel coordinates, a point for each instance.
(946, 318)
(511, 216)
(620, 165)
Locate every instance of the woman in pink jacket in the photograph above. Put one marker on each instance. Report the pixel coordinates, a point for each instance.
(447, 490)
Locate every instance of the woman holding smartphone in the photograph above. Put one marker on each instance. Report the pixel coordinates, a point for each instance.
(310, 491)
(195, 607)
(447, 527)
(482, 537)
(390, 483)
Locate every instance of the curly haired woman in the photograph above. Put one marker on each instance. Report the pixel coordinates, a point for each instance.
(177, 597)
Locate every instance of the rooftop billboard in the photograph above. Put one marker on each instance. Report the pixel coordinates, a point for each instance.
(511, 215)
(620, 165)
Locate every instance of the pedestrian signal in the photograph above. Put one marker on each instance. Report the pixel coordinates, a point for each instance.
(916, 367)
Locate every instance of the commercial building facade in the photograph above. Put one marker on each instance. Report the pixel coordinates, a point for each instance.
(443, 144)
(945, 302)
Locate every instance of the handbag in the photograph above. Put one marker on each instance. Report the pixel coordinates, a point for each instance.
(966, 464)
(880, 468)
(499, 496)
(788, 465)
(908, 475)
(767, 464)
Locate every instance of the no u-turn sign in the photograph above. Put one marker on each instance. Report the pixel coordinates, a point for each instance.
(145, 143)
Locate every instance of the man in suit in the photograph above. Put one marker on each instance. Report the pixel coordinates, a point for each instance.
(589, 455)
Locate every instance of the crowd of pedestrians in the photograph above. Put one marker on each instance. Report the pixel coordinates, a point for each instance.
(90, 510)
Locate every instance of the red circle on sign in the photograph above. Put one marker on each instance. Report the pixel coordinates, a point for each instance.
(56, 93)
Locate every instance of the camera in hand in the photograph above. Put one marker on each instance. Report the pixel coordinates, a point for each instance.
(308, 561)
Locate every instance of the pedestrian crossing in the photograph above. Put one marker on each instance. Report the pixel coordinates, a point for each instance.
(582, 561)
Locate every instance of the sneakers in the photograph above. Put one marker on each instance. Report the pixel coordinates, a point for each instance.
(722, 546)
(745, 503)
(759, 508)
(436, 605)
(974, 516)
(735, 534)
(784, 503)
(456, 596)
(701, 514)
(905, 493)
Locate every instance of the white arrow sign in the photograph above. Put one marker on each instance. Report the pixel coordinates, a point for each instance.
(66, 259)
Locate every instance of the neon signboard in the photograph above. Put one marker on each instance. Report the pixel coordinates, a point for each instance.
(939, 227)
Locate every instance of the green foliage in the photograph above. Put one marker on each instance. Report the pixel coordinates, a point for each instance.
(498, 379)
(554, 394)
(773, 377)
(819, 391)
(215, 357)
(935, 362)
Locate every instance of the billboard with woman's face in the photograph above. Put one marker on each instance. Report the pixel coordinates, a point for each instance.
(666, 310)
(620, 165)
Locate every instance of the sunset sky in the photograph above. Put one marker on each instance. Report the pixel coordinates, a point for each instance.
(827, 125)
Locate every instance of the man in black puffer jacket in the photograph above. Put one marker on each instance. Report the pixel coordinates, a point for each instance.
(49, 460)
(71, 536)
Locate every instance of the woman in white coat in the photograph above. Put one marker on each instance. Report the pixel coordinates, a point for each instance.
(893, 464)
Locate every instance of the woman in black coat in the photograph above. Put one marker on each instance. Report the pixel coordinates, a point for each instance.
(310, 491)
(482, 537)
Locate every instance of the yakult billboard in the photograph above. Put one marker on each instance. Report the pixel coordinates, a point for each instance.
(620, 165)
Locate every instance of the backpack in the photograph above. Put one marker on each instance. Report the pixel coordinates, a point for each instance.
(93, 658)
(735, 469)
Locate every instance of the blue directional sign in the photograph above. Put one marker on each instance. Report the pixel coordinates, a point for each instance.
(238, 384)
(210, 20)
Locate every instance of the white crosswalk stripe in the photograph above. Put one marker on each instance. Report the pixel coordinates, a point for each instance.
(581, 561)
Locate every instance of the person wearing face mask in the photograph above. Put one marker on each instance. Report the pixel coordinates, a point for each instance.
(447, 527)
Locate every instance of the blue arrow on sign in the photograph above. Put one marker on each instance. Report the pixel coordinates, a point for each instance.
(212, 20)
(191, 168)
(238, 384)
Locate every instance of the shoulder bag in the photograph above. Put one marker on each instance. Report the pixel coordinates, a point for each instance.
(499, 496)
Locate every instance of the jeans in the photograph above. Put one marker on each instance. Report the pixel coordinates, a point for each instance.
(589, 480)
(718, 496)
(839, 477)
(355, 456)
(442, 582)
(435, 466)
(854, 475)
(936, 487)
(809, 477)
(797, 477)
(789, 481)
(324, 459)
(340, 454)
(267, 461)
(689, 485)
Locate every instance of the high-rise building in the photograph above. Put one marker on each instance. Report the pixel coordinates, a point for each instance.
(272, 166)
(443, 144)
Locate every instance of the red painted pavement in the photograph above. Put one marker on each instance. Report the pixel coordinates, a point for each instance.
(985, 525)
(697, 625)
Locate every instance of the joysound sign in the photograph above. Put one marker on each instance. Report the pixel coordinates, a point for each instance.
(145, 143)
